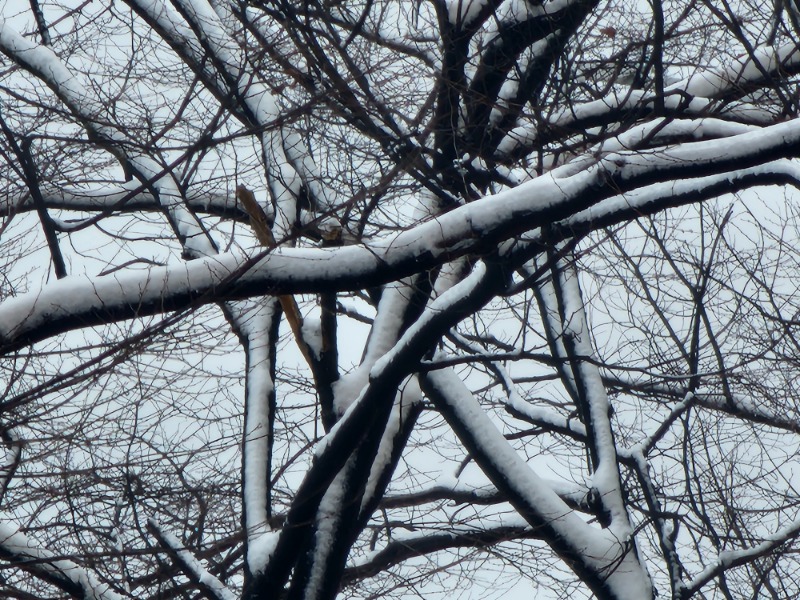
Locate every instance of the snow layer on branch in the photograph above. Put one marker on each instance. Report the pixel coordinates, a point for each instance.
(383, 335)
(259, 386)
(22, 549)
(408, 396)
(179, 34)
(691, 95)
(440, 304)
(289, 270)
(578, 333)
(260, 550)
(44, 63)
(741, 73)
(607, 551)
(196, 568)
(312, 335)
(125, 197)
(286, 176)
(732, 558)
(10, 457)
(329, 514)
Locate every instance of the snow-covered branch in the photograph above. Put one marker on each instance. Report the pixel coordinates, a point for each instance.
(192, 567)
(606, 562)
(78, 301)
(20, 550)
(735, 558)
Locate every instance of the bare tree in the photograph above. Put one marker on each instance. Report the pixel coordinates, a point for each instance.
(394, 299)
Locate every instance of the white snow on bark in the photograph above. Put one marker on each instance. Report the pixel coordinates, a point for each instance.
(576, 329)
(383, 335)
(126, 197)
(25, 550)
(260, 549)
(438, 305)
(607, 551)
(312, 335)
(329, 515)
(195, 567)
(766, 59)
(73, 92)
(692, 95)
(259, 386)
(11, 456)
(732, 558)
(408, 397)
(284, 270)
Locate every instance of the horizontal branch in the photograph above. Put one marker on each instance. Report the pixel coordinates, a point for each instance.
(572, 203)
(406, 548)
(572, 495)
(122, 198)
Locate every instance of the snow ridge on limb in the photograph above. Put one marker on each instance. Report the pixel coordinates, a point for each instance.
(69, 576)
(604, 559)
(79, 302)
(697, 94)
(125, 197)
(574, 335)
(734, 558)
(44, 63)
(742, 74)
(260, 389)
(196, 243)
(289, 166)
(358, 425)
(192, 567)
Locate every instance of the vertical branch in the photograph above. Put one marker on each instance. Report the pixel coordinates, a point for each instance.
(260, 332)
(23, 153)
(328, 359)
(592, 399)
(38, 14)
(350, 501)
(658, 56)
(13, 456)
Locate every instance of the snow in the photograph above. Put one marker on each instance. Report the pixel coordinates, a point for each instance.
(383, 335)
(72, 92)
(195, 567)
(328, 515)
(11, 456)
(259, 386)
(439, 304)
(260, 550)
(730, 558)
(19, 545)
(576, 333)
(693, 95)
(312, 335)
(128, 196)
(408, 397)
(711, 83)
(601, 548)
(288, 270)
